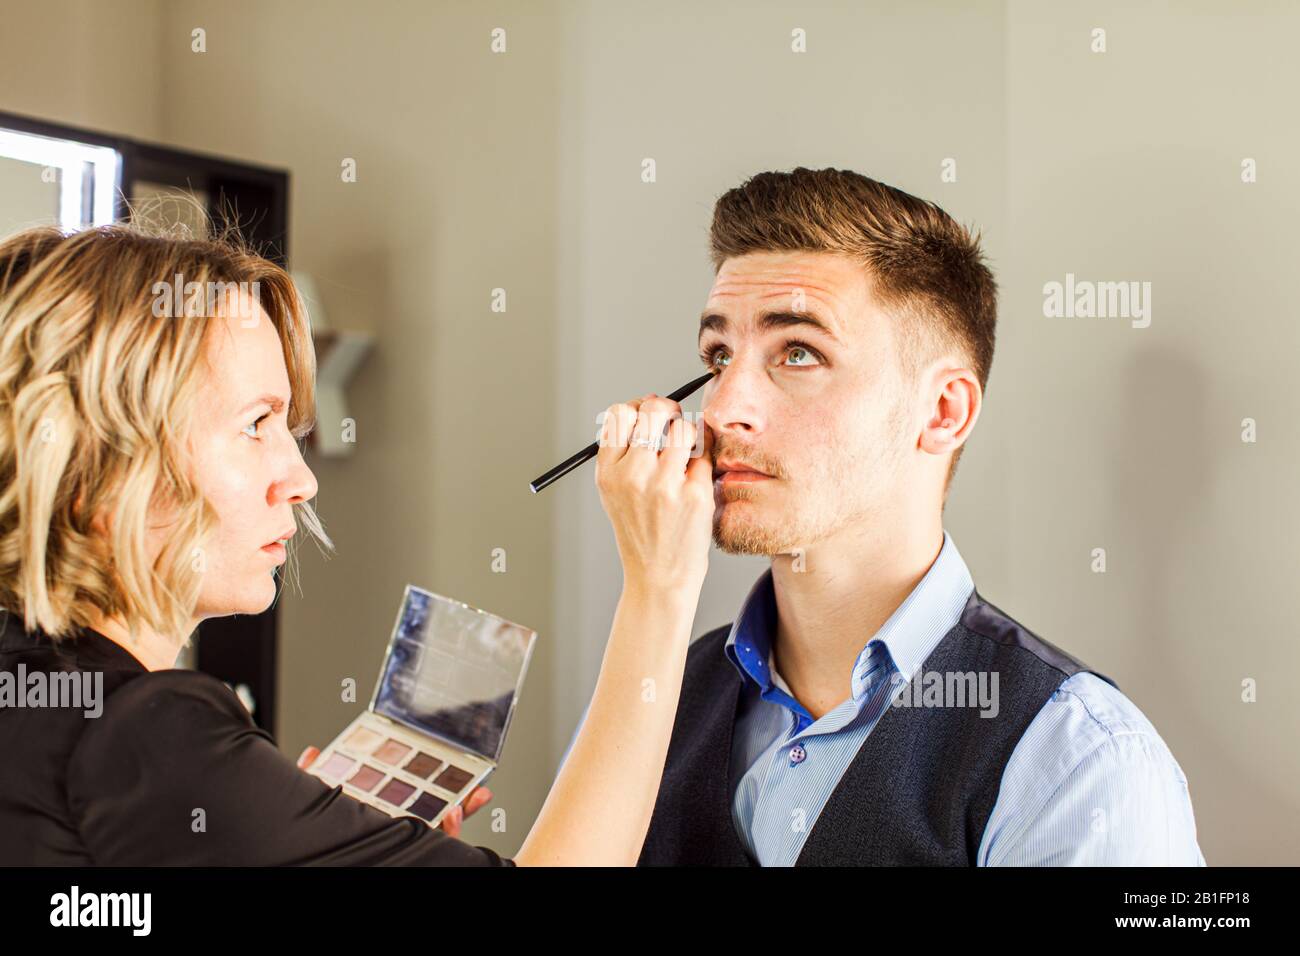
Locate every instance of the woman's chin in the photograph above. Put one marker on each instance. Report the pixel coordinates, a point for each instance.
(254, 597)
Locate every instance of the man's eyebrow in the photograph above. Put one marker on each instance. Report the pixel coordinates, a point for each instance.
(275, 401)
(712, 321)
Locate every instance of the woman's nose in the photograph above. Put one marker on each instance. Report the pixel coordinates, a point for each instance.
(298, 485)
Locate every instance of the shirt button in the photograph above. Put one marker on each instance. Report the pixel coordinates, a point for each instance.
(797, 755)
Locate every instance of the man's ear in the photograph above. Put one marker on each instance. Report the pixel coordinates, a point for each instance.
(956, 406)
(938, 439)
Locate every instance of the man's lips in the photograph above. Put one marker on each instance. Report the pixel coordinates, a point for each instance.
(729, 472)
(740, 477)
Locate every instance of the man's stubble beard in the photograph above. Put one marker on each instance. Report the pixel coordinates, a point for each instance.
(786, 533)
(781, 533)
(737, 536)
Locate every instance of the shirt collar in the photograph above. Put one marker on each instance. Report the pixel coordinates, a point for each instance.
(915, 628)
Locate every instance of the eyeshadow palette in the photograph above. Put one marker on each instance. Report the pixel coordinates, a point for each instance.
(437, 722)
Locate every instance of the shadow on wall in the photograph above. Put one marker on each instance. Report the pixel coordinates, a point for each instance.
(1164, 482)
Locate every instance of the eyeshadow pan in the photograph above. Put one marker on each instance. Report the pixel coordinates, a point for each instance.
(427, 806)
(396, 792)
(337, 765)
(363, 739)
(422, 765)
(366, 778)
(454, 779)
(392, 752)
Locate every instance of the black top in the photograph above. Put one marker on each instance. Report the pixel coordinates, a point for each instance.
(125, 788)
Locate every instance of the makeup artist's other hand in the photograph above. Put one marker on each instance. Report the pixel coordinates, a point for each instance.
(456, 816)
(659, 502)
(308, 757)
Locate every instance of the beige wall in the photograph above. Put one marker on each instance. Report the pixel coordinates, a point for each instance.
(522, 171)
(85, 63)
(1121, 166)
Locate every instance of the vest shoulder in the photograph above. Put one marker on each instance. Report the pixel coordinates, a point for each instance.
(717, 637)
(708, 651)
(990, 622)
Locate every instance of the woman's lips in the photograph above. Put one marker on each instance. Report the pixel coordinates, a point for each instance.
(275, 549)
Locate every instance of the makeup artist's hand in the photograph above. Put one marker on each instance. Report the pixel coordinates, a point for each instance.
(456, 816)
(659, 502)
(451, 822)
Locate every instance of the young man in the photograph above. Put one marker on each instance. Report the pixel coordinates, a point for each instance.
(851, 328)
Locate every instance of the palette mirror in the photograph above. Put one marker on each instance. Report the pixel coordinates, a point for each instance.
(437, 721)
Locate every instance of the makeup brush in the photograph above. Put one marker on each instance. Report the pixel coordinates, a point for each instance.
(566, 466)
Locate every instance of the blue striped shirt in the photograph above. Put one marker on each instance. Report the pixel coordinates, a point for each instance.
(1090, 782)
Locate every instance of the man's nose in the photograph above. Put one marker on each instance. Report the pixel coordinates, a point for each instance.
(733, 402)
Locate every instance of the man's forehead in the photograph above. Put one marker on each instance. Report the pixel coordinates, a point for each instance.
(831, 287)
(771, 275)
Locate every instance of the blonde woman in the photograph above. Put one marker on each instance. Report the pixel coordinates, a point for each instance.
(140, 429)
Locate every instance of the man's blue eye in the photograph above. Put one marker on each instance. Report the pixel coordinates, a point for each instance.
(808, 352)
(712, 356)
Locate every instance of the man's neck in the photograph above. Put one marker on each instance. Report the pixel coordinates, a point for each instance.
(155, 651)
(847, 589)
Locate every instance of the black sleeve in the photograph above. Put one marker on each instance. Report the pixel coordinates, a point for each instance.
(175, 772)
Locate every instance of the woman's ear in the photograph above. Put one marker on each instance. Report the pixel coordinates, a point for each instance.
(99, 523)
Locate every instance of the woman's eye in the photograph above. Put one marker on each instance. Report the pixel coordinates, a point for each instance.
(253, 425)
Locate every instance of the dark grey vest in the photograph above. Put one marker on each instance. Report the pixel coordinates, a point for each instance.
(921, 788)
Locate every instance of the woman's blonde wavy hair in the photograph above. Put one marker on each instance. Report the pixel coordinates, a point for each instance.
(97, 396)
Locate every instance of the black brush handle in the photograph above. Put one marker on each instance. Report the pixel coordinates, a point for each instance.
(566, 466)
